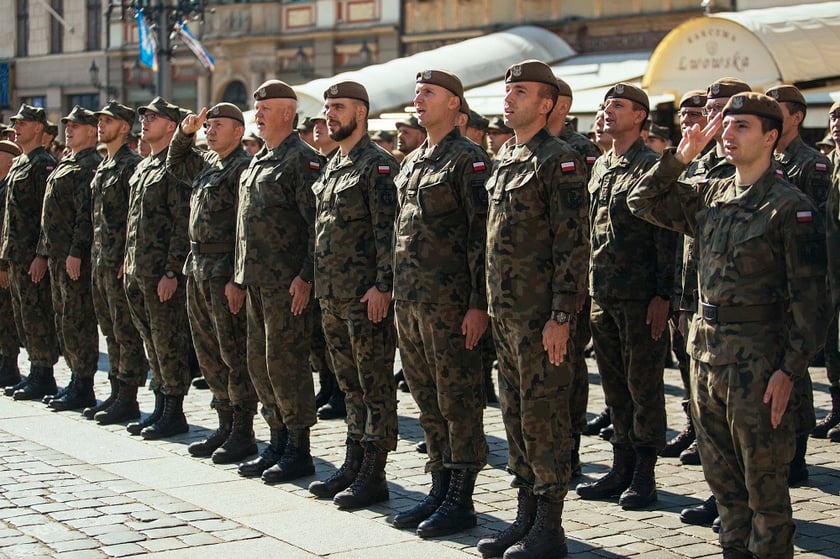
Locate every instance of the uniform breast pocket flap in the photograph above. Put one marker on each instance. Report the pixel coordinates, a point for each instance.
(523, 192)
(272, 190)
(752, 254)
(437, 199)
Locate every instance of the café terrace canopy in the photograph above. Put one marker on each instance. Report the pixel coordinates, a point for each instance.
(797, 45)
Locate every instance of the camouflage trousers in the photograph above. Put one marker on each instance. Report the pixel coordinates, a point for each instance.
(446, 383)
(678, 345)
(126, 359)
(579, 388)
(632, 366)
(165, 333)
(745, 461)
(34, 315)
(535, 408)
(220, 341)
(832, 354)
(9, 339)
(362, 354)
(278, 349)
(319, 359)
(75, 319)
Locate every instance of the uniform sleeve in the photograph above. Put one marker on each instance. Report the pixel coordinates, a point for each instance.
(38, 176)
(182, 159)
(666, 264)
(817, 174)
(570, 223)
(805, 265)
(178, 202)
(382, 200)
(473, 173)
(832, 233)
(83, 225)
(310, 169)
(659, 198)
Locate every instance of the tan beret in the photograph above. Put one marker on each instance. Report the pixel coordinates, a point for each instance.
(446, 80)
(752, 103)
(531, 71)
(275, 89)
(226, 110)
(660, 132)
(349, 90)
(563, 88)
(696, 98)
(10, 147)
(629, 92)
(81, 116)
(727, 87)
(786, 94)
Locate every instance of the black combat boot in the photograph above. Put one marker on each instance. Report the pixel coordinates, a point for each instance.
(344, 475)
(10, 390)
(574, 459)
(241, 442)
(456, 513)
(296, 461)
(270, 455)
(798, 468)
(91, 412)
(832, 419)
(427, 507)
(402, 384)
(691, 455)
(526, 511)
(615, 481)
(834, 434)
(370, 486)
(9, 372)
(79, 396)
(594, 425)
(701, 515)
(683, 440)
(335, 407)
(41, 382)
(123, 408)
(729, 553)
(47, 398)
(208, 446)
(136, 427)
(326, 383)
(642, 490)
(545, 539)
(172, 421)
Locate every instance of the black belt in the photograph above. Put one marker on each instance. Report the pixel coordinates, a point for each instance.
(210, 248)
(746, 313)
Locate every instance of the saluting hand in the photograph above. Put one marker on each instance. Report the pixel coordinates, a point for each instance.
(192, 123)
(695, 139)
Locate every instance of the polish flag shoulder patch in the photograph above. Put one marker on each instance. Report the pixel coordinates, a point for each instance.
(804, 216)
(383, 169)
(314, 165)
(822, 167)
(479, 166)
(780, 173)
(568, 166)
(590, 159)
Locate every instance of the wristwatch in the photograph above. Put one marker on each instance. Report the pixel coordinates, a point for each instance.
(169, 274)
(383, 288)
(560, 317)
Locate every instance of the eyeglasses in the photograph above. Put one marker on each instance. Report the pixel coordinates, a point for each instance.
(148, 116)
(691, 114)
(709, 110)
(835, 115)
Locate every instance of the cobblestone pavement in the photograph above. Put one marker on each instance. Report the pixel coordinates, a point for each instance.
(72, 489)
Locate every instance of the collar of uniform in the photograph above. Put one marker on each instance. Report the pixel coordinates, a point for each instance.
(338, 161)
(755, 196)
(282, 147)
(624, 160)
(453, 135)
(523, 152)
(790, 152)
(109, 162)
(87, 152)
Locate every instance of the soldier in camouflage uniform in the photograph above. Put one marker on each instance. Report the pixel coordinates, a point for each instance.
(9, 340)
(155, 250)
(810, 171)
(440, 301)
(354, 227)
(832, 226)
(26, 184)
(64, 249)
(581, 334)
(537, 258)
(631, 279)
(109, 205)
(761, 261)
(275, 239)
(214, 301)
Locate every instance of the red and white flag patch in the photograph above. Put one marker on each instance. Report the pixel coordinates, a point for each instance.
(314, 165)
(568, 166)
(822, 167)
(384, 170)
(590, 159)
(804, 216)
(479, 166)
(780, 173)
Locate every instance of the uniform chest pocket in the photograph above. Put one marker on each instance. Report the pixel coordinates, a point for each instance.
(523, 195)
(752, 251)
(437, 199)
(272, 189)
(350, 203)
(217, 198)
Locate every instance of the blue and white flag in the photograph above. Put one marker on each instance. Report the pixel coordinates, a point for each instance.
(194, 45)
(148, 43)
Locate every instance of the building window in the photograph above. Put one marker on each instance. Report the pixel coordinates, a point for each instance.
(23, 27)
(84, 100)
(56, 28)
(35, 101)
(94, 24)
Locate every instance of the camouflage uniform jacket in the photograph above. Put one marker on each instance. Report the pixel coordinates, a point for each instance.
(583, 145)
(537, 241)
(630, 259)
(440, 231)
(212, 222)
(156, 236)
(110, 192)
(832, 229)
(354, 226)
(26, 184)
(764, 246)
(66, 228)
(807, 169)
(275, 233)
(708, 165)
